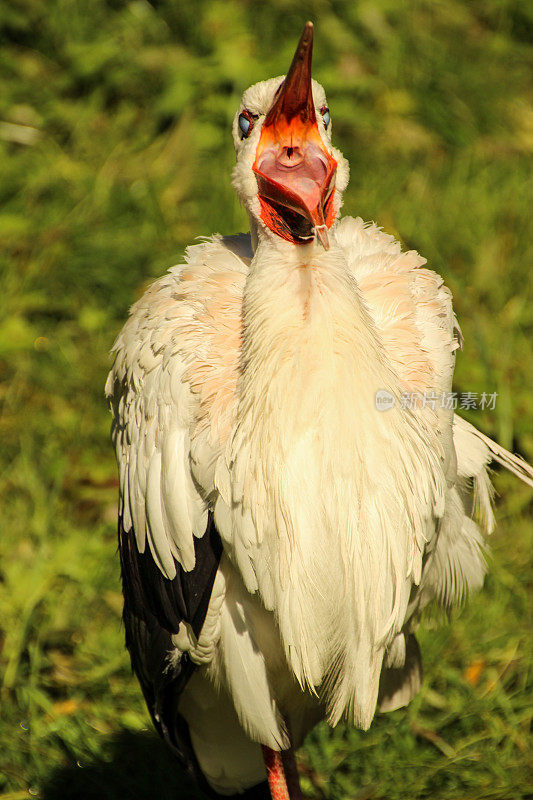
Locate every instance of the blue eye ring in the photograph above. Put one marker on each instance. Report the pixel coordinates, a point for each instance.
(326, 116)
(246, 123)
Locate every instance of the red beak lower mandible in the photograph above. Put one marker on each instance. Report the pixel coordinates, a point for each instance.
(294, 170)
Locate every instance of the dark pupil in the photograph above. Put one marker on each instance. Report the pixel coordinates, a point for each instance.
(244, 125)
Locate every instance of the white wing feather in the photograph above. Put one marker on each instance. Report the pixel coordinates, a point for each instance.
(475, 446)
(150, 400)
(413, 313)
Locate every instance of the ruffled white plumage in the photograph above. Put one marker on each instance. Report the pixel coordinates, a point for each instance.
(183, 449)
(244, 383)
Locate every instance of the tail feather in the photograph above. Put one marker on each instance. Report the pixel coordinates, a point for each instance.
(515, 464)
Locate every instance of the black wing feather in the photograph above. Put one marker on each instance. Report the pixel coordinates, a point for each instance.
(154, 606)
(185, 597)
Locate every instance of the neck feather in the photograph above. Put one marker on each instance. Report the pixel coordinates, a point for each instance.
(322, 483)
(303, 313)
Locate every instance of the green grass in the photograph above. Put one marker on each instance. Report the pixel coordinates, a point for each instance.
(115, 153)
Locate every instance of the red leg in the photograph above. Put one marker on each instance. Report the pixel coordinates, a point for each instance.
(275, 774)
(282, 774)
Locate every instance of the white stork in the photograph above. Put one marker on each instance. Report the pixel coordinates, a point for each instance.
(279, 533)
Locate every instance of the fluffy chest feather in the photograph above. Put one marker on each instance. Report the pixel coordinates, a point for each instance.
(325, 503)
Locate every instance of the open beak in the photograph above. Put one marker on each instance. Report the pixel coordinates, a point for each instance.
(295, 173)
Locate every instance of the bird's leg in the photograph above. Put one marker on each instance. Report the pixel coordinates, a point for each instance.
(275, 774)
(282, 774)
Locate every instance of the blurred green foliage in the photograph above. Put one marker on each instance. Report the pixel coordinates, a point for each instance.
(115, 152)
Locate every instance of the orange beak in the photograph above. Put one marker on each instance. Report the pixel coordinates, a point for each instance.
(295, 173)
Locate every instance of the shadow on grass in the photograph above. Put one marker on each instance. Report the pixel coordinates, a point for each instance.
(138, 767)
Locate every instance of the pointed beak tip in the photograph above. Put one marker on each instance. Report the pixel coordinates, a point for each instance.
(295, 95)
(306, 39)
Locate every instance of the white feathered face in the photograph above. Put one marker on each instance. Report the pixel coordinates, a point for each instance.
(288, 175)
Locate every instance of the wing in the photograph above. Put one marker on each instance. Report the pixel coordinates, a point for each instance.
(413, 313)
(162, 389)
(458, 565)
(474, 449)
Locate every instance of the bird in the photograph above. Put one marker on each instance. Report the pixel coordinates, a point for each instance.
(296, 486)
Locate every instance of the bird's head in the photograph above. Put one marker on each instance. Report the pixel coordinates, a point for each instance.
(288, 175)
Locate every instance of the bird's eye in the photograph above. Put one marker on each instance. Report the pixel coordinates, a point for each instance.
(246, 123)
(325, 116)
